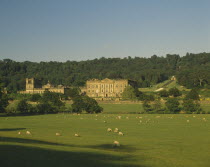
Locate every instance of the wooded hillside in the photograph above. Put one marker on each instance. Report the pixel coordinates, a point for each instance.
(192, 70)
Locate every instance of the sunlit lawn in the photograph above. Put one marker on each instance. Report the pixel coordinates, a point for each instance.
(155, 142)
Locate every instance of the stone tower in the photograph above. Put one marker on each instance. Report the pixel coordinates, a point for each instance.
(29, 83)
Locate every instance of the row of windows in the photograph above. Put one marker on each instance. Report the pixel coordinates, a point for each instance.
(103, 91)
(107, 85)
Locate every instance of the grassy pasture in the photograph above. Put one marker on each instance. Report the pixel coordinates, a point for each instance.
(165, 141)
(133, 108)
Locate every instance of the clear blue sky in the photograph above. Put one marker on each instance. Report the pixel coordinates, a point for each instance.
(61, 30)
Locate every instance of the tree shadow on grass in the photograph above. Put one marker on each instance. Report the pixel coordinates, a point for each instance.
(30, 141)
(12, 129)
(111, 147)
(107, 147)
(16, 155)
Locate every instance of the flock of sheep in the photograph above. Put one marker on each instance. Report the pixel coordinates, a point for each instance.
(116, 130)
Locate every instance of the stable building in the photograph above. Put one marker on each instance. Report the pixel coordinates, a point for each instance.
(34, 86)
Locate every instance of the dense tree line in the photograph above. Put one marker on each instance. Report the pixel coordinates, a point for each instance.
(172, 105)
(192, 70)
(49, 103)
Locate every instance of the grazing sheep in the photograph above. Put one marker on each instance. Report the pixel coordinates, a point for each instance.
(140, 121)
(193, 116)
(116, 143)
(28, 132)
(120, 133)
(116, 130)
(140, 117)
(104, 121)
(76, 135)
(19, 133)
(109, 130)
(158, 116)
(188, 121)
(118, 117)
(127, 117)
(57, 134)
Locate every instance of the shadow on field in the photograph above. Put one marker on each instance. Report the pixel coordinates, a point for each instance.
(110, 147)
(107, 147)
(16, 155)
(30, 141)
(11, 129)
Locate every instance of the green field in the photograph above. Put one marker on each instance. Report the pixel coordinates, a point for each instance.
(122, 108)
(165, 141)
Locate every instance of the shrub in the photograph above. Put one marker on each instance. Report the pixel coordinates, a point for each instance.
(174, 92)
(190, 105)
(193, 94)
(172, 105)
(23, 106)
(46, 108)
(35, 97)
(163, 93)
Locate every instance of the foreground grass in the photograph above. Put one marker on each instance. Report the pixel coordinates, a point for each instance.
(165, 141)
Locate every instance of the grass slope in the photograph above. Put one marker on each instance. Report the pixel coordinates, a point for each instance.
(166, 85)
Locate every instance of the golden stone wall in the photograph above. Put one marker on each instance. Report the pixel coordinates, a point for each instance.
(106, 88)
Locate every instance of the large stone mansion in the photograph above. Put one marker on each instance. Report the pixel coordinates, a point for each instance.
(106, 89)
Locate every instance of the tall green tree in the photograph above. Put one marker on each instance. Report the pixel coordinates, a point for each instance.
(129, 93)
(3, 99)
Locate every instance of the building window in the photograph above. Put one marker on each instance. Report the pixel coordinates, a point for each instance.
(102, 90)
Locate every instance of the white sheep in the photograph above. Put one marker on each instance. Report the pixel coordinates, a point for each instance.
(57, 134)
(109, 130)
(120, 133)
(28, 132)
(188, 121)
(19, 133)
(116, 130)
(76, 135)
(116, 143)
(118, 117)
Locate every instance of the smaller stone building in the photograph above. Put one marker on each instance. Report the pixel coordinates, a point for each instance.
(106, 89)
(34, 86)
